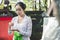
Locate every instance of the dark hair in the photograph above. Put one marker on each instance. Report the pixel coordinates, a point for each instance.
(23, 6)
(6, 2)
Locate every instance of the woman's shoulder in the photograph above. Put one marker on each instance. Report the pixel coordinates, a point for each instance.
(29, 17)
(15, 17)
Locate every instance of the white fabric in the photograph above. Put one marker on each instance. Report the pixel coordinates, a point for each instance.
(25, 27)
(51, 30)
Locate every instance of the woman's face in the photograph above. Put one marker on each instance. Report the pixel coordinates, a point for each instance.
(19, 10)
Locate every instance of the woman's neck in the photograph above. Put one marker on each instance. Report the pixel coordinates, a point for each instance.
(21, 15)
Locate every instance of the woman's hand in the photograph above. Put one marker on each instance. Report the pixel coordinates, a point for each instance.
(11, 24)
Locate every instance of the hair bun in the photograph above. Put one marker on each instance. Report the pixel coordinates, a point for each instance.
(23, 6)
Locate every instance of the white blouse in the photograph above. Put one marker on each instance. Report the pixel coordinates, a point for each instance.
(25, 27)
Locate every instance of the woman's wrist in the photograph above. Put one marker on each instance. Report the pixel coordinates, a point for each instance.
(14, 30)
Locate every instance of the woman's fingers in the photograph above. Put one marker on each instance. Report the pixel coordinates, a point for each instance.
(11, 24)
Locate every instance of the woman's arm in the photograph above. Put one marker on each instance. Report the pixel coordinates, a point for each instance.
(14, 30)
(50, 8)
(11, 24)
(9, 27)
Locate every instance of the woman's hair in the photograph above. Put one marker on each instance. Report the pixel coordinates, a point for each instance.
(23, 6)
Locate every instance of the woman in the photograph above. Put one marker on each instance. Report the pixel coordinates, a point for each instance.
(52, 30)
(21, 24)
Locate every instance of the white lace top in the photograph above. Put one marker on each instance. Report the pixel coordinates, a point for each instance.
(25, 27)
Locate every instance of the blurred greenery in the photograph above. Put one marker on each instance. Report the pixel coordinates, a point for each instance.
(32, 5)
(44, 5)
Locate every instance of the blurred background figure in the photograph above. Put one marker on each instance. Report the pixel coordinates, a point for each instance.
(52, 30)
